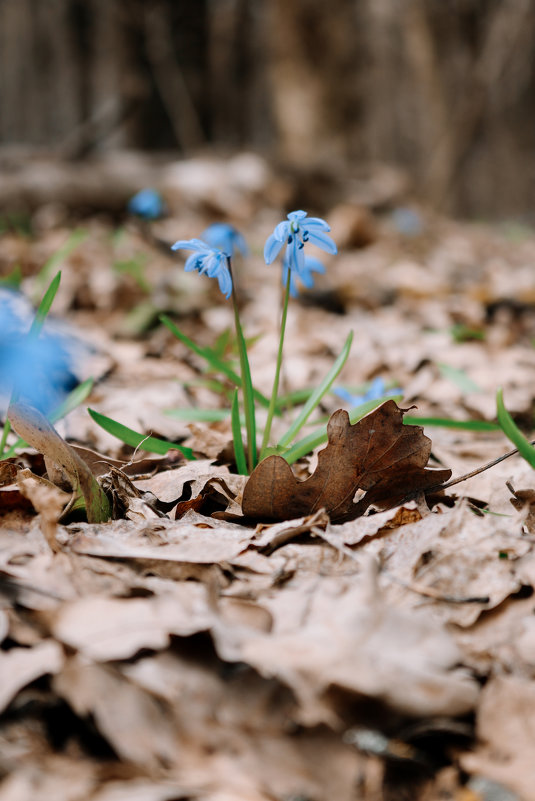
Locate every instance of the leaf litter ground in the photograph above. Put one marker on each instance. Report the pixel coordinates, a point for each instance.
(176, 653)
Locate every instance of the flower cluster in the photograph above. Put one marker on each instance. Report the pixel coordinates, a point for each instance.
(208, 261)
(220, 241)
(213, 252)
(295, 233)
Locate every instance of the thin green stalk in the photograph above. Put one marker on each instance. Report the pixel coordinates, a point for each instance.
(275, 390)
(246, 381)
(317, 395)
(239, 452)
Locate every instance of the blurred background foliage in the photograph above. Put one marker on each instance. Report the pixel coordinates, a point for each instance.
(441, 90)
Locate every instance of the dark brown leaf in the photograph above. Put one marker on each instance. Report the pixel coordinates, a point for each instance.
(378, 454)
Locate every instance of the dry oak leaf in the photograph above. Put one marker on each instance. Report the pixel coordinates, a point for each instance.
(378, 454)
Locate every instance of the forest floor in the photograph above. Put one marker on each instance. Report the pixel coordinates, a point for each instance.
(180, 655)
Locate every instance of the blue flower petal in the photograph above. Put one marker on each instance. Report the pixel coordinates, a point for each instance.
(376, 389)
(322, 241)
(297, 216)
(346, 396)
(295, 254)
(241, 244)
(226, 238)
(192, 262)
(282, 231)
(316, 222)
(190, 244)
(225, 282)
(312, 265)
(272, 248)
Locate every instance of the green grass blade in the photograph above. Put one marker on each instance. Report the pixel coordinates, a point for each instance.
(317, 395)
(75, 238)
(239, 450)
(136, 440)
(192, 415)
(294, 398)
(444, 422)
(44, 306)
(511, 430)
(212, 359)
(319, 436)
(73, 399)
(459, 377)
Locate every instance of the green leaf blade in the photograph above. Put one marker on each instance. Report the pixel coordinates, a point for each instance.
(444, 422)
(512, 432)
(137, 440)
(211, 357)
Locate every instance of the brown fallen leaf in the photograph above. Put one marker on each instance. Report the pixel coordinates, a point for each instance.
(378, 454)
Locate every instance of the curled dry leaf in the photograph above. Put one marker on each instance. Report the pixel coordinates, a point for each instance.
(21, 666)
(378, 454)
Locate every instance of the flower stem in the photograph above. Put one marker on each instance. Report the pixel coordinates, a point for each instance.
(246, 382)
(275, 390)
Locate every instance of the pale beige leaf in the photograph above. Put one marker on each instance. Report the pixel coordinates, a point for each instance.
(21, 666)
(506, 733)
(115, 628)
(136, 726)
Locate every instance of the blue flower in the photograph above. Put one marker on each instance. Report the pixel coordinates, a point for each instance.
(312, 265)
(226, 238)
(147, 203)
(375, 391)
(37, 369)
(208, 260)
(294, 233)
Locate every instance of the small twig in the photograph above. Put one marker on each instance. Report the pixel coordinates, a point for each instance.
(475, 472)
(429, 592)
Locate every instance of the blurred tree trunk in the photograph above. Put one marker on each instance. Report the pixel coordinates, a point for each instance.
(443, 90)
(313, 67)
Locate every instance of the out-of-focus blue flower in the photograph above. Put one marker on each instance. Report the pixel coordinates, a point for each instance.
(226, 238)
(312, 265)
(375, 391)
(37, 369)
(147, 203)
(407, 221)
(208, 260)
(295, 233)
